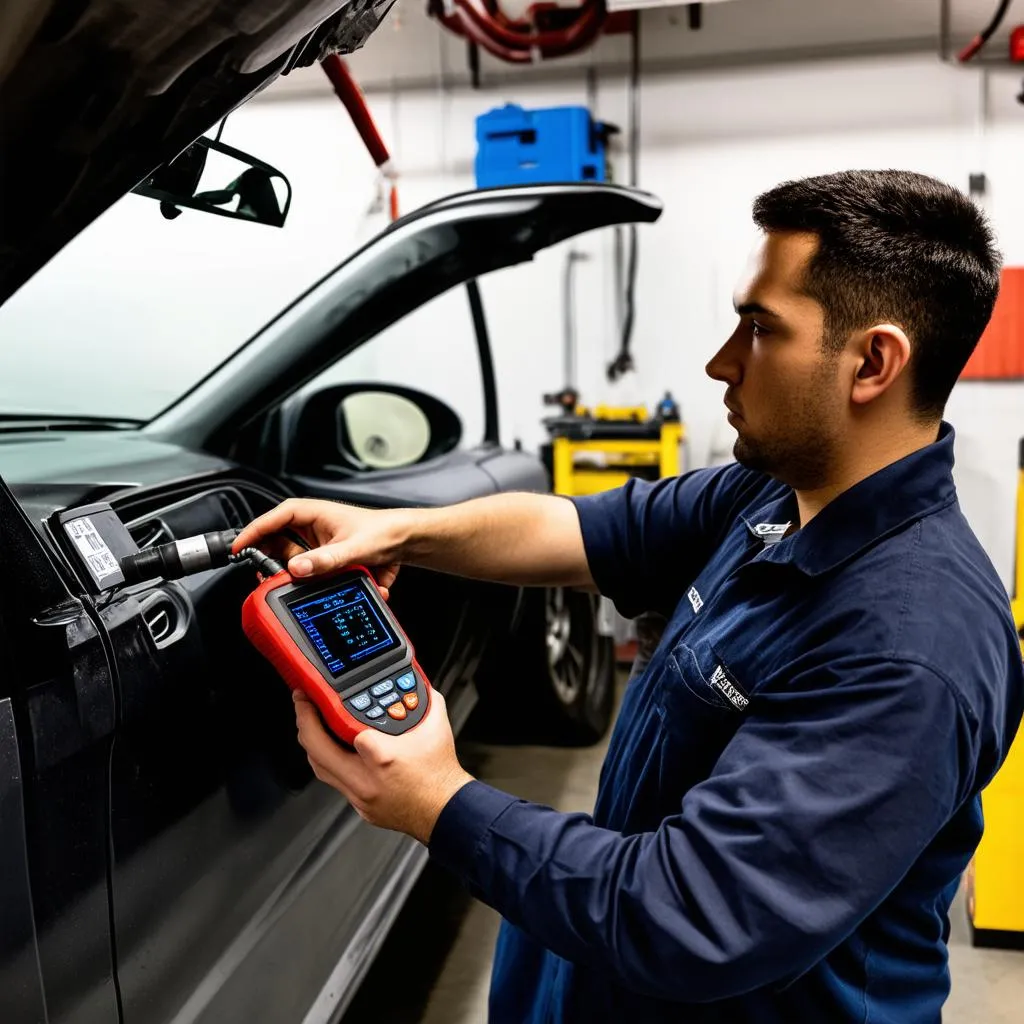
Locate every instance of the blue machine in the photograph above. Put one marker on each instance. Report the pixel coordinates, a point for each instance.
(526, 147)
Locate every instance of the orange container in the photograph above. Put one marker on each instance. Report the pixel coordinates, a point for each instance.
(1000, 352)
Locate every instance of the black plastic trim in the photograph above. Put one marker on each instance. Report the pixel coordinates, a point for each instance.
(483, 348)
(997, 938)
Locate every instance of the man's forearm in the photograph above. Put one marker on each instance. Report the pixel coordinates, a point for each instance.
(526, 539)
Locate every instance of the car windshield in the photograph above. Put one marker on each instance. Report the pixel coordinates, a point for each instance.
(137, 308)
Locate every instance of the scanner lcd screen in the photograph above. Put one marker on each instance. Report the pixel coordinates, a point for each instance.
(344, 627)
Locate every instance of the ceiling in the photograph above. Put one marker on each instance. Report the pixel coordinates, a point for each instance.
(410, 51)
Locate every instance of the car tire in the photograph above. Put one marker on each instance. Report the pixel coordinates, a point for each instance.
(552, 679)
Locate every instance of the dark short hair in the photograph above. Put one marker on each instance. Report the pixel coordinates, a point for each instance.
(901, 248)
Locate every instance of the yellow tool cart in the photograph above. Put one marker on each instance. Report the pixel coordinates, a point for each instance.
(995, 879)
(598, 449)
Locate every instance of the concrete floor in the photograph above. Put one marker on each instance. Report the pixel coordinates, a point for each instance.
(442, 943)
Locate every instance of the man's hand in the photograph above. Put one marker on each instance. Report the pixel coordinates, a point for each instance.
(400, 783)
(522, 539)
(340, 534)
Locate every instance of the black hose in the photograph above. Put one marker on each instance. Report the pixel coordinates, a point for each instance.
(972, 48)
(996, 21)
(263, 564)
(623, 362)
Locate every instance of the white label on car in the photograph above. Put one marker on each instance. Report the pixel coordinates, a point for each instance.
(93, 547)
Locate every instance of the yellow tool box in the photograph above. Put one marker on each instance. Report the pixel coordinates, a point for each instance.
(598, 449)
(995, 879)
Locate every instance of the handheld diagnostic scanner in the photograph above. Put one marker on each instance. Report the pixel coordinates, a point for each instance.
(336, 639)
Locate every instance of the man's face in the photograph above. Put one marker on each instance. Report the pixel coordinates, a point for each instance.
(784, 394)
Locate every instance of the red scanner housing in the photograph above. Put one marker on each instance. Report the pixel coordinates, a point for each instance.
(335, 639)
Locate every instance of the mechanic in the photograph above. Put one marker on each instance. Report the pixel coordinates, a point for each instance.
(791, 790)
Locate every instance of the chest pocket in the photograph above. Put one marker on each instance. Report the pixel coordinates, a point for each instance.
(701, 702)
(672, 729)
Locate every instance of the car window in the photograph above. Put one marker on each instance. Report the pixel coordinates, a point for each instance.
(136, 309)
(432, 350)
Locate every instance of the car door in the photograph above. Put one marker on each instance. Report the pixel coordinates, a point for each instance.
(57, 715)
(242, 890)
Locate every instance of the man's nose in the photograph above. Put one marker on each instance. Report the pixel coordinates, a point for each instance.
(725, 365)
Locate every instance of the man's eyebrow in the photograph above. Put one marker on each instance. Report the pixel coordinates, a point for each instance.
(755, 308)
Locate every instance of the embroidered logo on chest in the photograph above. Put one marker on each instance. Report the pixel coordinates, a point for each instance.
(725, 685)
(771, 533)
(695, 599)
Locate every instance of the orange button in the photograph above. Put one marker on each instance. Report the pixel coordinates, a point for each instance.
(397, 710)
(411, 701)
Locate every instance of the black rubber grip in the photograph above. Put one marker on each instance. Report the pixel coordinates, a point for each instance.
(179, 558)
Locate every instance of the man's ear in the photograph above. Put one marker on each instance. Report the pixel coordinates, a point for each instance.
(882, 354)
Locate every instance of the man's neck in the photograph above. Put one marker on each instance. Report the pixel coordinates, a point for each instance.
(865, 457)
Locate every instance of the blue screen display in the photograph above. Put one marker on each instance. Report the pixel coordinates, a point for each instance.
(344, 626)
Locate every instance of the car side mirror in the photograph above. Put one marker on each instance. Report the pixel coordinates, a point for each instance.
(370, 427)
(255, 191)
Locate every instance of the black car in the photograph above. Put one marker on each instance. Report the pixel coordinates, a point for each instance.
(165, 855)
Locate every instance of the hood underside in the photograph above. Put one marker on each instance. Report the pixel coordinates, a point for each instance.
(96, 94)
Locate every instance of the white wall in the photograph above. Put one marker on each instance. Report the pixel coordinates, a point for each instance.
(710, 143)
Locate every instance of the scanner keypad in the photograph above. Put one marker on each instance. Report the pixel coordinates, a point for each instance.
(389, 701)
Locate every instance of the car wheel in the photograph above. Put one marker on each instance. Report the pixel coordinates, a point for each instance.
(560, 665)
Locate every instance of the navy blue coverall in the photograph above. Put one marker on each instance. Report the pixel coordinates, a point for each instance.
(791, 790)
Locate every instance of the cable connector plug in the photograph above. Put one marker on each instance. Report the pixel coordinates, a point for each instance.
(263, 564)
(179, 558)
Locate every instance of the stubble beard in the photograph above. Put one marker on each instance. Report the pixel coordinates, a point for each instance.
(803, 464)
(803, 453)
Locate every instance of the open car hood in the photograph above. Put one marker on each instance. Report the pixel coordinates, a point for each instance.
(97, 94)
(444, 244)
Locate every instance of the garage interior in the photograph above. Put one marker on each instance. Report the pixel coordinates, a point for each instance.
(599, 343)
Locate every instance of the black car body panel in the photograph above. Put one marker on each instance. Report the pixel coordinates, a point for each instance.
(57, 683)
(20, 978)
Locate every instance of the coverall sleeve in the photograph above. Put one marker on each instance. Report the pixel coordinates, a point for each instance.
(644, 540)
(812, 816)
